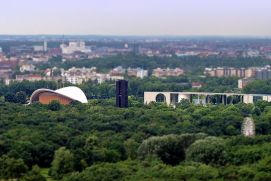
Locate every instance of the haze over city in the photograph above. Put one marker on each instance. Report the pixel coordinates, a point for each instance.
(140, 17)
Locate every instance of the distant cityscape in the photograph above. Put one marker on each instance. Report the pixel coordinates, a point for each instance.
(19, 61)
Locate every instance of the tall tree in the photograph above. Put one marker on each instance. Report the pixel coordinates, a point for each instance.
(63, 163)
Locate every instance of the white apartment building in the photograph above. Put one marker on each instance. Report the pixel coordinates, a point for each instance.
(75, 47)
(27, 68)
(138, 72)
(79, 75)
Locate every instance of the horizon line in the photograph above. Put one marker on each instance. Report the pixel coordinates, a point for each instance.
(134, 35)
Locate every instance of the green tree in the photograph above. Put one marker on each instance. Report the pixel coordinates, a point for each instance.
(169, 148)
(34, 175)
(62, 164)
(10, 97)
(210, 150)
(91, 142)
(12, 168)
(20, 97)
(184, 104)
(54, 105)
(131, 147)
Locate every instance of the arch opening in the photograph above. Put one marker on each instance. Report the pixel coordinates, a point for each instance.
(160, 98)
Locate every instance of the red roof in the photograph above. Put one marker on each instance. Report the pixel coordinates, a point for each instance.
(196, 84)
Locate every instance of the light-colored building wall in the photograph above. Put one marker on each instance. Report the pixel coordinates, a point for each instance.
(220, 72)
(247, 98)
(251, 72)
(233, 72)
(151, 97)
(267, 98)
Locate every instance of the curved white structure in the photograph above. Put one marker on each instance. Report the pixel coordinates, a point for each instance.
(72, 93)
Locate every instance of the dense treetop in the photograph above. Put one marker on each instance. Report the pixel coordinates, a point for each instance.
(149, 63)
(97, 141)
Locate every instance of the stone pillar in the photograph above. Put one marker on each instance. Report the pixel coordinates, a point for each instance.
(267, 98)
(167, 95)
(207, 99)
(248, 99)
(224, 99)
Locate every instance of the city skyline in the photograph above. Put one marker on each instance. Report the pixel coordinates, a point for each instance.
(139, 18)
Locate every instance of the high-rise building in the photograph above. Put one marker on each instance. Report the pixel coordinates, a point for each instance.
(122, 93)
(45, 46)
(136, 49)
(263, 74)
(220, 72)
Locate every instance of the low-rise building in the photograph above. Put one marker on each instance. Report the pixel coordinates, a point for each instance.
(29, 77)
(186, 54)
(79, 75)
(27, 68)
(158, 72)
(138, 72)
(230, 72)
(196, 85)
(263, 73)
(2, 57)
(6, 69)
(40, 58)
(251, 53)
(118, 71)
(38, 48)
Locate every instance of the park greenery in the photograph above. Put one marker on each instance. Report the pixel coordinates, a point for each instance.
(97, 141)
(259, 87)
(131, 60)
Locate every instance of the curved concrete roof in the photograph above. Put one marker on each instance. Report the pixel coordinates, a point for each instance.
(71, 92)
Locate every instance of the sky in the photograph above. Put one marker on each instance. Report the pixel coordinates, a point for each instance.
(136, 17)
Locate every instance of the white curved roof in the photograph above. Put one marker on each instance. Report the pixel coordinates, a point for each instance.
(71, 92)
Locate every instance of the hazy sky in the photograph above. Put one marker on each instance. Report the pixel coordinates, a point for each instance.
(136, 17)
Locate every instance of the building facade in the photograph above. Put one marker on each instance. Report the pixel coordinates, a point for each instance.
(122, 93)
(172, 98)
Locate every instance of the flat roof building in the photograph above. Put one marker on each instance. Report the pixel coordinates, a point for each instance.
(172, 98)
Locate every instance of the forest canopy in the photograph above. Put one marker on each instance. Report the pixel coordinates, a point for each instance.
(97, 141)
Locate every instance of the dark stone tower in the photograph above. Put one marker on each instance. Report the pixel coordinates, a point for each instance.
(122, 93)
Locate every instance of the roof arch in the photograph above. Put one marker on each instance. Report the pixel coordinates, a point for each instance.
(70, 92)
